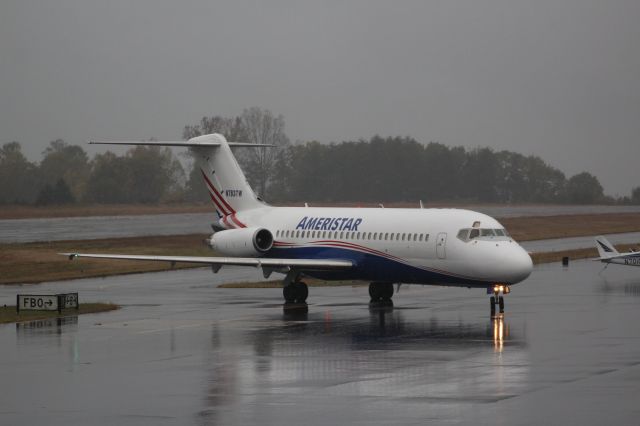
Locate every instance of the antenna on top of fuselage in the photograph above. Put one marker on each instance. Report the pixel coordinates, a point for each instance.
(421, 205)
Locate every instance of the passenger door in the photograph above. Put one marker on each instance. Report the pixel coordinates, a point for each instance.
(441, 242)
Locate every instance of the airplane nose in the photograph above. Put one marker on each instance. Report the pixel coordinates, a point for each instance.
(518, 266)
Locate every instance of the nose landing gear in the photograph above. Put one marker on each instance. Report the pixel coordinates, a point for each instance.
(497, 299)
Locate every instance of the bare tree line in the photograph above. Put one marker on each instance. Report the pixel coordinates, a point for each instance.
(393, 169)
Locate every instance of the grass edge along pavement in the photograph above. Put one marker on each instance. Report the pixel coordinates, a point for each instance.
(22, 263)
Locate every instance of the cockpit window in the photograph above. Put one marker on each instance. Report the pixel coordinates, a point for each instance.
(473, 233)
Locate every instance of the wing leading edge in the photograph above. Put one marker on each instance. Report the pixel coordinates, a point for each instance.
(277, 264)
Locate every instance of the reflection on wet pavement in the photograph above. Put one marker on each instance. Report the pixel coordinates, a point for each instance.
(182, 352)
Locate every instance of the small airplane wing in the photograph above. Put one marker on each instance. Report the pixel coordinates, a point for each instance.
(217, 262)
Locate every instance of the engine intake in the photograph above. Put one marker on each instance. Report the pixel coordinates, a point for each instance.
(250, 242)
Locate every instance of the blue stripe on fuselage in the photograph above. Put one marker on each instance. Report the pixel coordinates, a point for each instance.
(370, 267)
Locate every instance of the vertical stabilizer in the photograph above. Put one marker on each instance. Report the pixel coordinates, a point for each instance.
(228, 187)
(605, 248)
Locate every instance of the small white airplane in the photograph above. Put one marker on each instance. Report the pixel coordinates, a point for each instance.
(609, 254)
(448, 247)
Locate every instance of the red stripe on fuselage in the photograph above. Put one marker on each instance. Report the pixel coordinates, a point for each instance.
(237, 221)
(222, 202)
(216, 196)
(213, 188)
(222, 213)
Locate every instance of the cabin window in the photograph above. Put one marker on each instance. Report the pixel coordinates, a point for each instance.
(358, 236)
(375, 235)
(415, 237)
(403, 235)
(426, 238)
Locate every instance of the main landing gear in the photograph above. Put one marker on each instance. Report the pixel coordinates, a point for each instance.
(381, 294)
(296, 292)
(497, 299)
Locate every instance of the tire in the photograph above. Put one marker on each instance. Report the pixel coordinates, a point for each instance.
(374, 291)
(386, 292)
(289, 293)
(493, 305)
(501, 303)
(302, 292)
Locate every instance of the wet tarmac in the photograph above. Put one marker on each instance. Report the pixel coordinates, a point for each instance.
(182, 351)
(84, 228)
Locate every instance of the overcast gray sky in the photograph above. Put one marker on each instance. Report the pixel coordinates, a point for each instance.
(558, 79)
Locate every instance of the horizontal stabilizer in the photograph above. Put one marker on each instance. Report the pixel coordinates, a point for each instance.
(185, 144)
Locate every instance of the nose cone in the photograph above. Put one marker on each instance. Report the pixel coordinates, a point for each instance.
(517, 265)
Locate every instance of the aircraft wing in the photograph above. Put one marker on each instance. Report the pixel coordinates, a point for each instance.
(217, 262)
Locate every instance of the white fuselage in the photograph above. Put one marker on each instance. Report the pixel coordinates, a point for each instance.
(422, 246)
(632, 259)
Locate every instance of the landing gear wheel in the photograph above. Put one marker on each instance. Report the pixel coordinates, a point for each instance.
(301, 292)
(288, 292)
(501, 303)
(381, 293)
(374, 292)
(295, 292)
(387, 291)
(492, 301)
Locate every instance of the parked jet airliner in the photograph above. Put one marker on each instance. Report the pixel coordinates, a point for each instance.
(449, 247)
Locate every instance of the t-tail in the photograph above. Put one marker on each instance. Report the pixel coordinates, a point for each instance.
(227, 185)
(606, 250)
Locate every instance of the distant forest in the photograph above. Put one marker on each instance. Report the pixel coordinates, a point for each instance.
(393, 169)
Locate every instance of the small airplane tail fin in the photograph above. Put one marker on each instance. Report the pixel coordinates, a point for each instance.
(605, 248)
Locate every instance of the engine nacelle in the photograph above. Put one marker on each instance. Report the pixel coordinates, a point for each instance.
(249, 242)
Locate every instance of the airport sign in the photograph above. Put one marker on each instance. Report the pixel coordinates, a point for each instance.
(69, 300)
(37, 302)
(46, 302)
